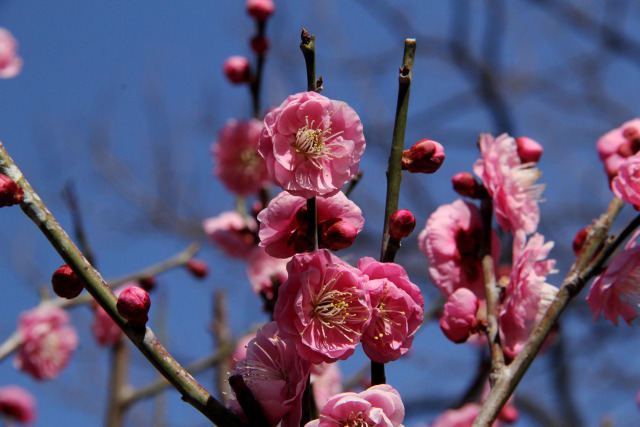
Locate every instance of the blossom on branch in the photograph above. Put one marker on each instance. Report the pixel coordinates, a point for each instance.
(312, 145)
(266, 273)
(233, 233)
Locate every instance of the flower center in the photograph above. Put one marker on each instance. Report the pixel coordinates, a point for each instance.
(356, 420)
(312, 142)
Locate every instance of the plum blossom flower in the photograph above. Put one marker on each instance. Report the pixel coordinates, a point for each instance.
(397, 310)
(48, 342)
(265, 272)
(10, 63)
(460, 417)
(618, 144)
(459, 320)
(509, 182)
(312, 145)
(17, 403)
(323, 306)
(616, 292)
(237, 161)
(276, 376)
(284, 225)
(451, 240)
(379, 405)
(626, 185)
(235, 235)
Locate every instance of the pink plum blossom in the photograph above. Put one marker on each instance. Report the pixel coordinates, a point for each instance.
(460, 417)
(326, 380)
(616, 292)
(47, 342)
(459, 320)
(397, 310)
(276, 376)
(323, 306)
(618, 144)
(18, 404)
(284, 226)
(527, 296)
(626, 185)
(265, 271)
(312, 144)
(10, 62)
(379, 405)
(233, 233)
(509, 182)
(451, 240)
(237, 162)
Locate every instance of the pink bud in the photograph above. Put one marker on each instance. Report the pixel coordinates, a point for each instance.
(10, 192)
(529, 150)
(260, 10)
(133, 304)
(337, 234)
(65, 283)
(198, 268)
(465, 185)
(426, 156)
(401, 224)
(259, 44)
(237, 69)
(458, 319)
(509, 414)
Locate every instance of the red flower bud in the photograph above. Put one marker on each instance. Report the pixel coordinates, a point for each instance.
(147, 283)
(133, 304)
(10, 192)
(426, 156)
(259, 44)
(465, 185)
(529, 150)
(198, 268)
(260, 10)
(578, 241)
(65, 283)
(237, 69)
(401, 224)
(337, 234)
(509, 414)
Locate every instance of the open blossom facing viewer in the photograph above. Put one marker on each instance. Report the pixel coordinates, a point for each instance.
(237, 161)
(17, 404)
(312, 145)
(48, 342)
(379, 405)
(10, 62)
(235, 235)
(284, 223)
(323, 306)
(510, 183)
(397, 310)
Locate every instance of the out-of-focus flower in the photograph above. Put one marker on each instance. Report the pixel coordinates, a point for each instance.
(10, 192)
(323, 306)
(397, 310)
(616, 292)
(618, 144)
(260, 10)
(237, 162)
(104, 328)
(133, 304)
(284, 226)
(312, 144)
(510, 183)
(237, 69)
(401, 224)
(460, 417)
(326, 380)
(65, 283)
(235, 235)
(425, 156)
(626, 185)
(529, 150)
(18, 404)
(47, 342)
(276, 376)
(459, 320)
(266, 273)
(379, 405)
(10, 62)
(451, 240)
(466, 185)
(240, 351)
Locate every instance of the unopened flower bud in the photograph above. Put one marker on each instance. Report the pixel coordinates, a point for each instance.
(529, 150)
(260, 10)
(509, 414)
(10, 192)
(337, 234)
(401, 224)
(133, 304)
(426, 156)
(578, 241)
(259, 44)
(65, 283)
(147, 283)
(237, 69)
(465, 185)
(198, 268)
(458, 320)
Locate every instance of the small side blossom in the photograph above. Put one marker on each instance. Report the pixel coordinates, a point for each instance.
(626, 185)
(312, 144)
(618, 144)
(284, 225)
(379, 405)
(10, 62)
(48, 342)
(323, 306)
(459, 320)
(17, 404)
(235, 235)
(510, 183)
(235, 155)
(397, 310)
(265, 272)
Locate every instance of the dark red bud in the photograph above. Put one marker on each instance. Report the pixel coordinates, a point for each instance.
(578, 241)
(465, 185)
(401, 224)
(337, 234)
(259, 44)
(529, 150)
(237, 69)
(260, 10)
(302, 217)
(133, 304)
(198, 268)
(65, 283)
(509, 414)
(147, 283)
(426, 156)
(10, 192)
